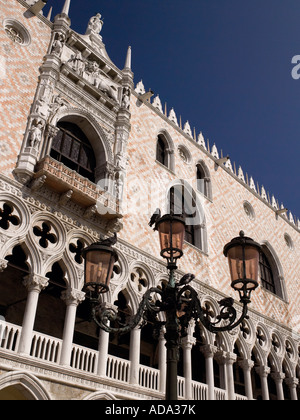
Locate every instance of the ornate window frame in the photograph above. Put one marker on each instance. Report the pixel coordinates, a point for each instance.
(17, 32)
(169, 159)
(277, 271)
(204, 184)
(198, 220)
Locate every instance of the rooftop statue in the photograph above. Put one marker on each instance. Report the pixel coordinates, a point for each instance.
(95, 25)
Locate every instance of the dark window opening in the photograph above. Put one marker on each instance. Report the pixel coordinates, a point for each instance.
(51, 310)
(72, 148)
(119, 343)
(202, 181)
(13, 294)
(266, 274)
(161, 153)
(179, 201)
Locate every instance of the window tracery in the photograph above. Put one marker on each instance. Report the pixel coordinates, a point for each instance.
(8, 217)
(183, 200)
(71, 147)
(17, 32)
(45, 232)
(139, 279)
(203, 180)
(77, 249)
(165, 150)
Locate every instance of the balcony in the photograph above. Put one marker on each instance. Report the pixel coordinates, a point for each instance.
(84, 362)
(70, 185)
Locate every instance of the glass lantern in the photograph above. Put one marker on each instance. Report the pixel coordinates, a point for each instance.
(243, 259)
(99, 264)
(171, 231)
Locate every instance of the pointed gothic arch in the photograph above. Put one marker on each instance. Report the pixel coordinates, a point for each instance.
(270, 263)
(204, 185)
(94, 142)
(182, 199)
(100, 396)
(165, 149)
(16, 384)
(89, 126)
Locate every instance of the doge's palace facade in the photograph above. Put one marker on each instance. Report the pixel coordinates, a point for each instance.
(85, 152)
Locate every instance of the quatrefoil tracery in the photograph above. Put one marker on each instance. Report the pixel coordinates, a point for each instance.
(7, 217)
(139, 279)
(44, 232)
(77, 250)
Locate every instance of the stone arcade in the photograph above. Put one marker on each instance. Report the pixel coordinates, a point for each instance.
(86, 152)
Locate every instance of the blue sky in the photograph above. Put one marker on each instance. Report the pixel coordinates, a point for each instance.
(225, 66)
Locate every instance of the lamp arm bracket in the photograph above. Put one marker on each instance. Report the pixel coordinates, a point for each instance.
(227, 313)
(104, 317)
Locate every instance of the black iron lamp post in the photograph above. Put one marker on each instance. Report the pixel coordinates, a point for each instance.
(178, 300)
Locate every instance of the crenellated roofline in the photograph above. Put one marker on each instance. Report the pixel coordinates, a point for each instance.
(224, 162)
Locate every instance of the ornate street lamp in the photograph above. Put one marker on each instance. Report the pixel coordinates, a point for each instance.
(243, 258)
(99, 263)
(171, 231)
(178, 300)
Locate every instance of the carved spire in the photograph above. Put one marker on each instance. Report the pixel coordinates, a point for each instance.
(214, 151)
(49, 16)
(66, 8)
(187, 129)
(128, 59)
(201, 140)
(140, 88)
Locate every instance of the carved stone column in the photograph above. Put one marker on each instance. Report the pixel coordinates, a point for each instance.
(72, 298)
(34, 284)
(278, 378)
(104, 343)
(263, 372)
(209, 352)
(134, 355)
(220, 357)
(292, 383)
(187, 345)
(162, 362)
(247, 365)
(229, 361)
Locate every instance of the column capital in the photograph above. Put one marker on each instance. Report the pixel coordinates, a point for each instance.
(263, 371)
(220, 357)
(162, 333)
(246, 364)
(73, 297)
(35, 282)
(188, 342)
(292, 382)
(208, 350)
(230, 358)
(3, 265)
(278, 376)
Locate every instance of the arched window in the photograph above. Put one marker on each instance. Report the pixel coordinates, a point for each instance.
(179, 205)
(183, 200)
(71, 147)
(266, 274)
(161, 151)
(271, 273)
(203, 180)
(165, 150)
